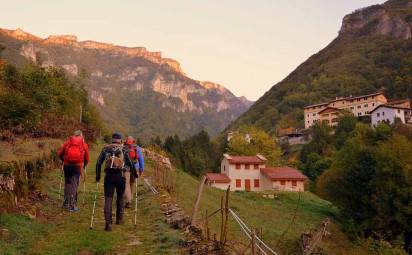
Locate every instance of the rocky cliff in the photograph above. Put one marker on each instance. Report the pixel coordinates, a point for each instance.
(371, 52)
(137, 91)
(378, 20)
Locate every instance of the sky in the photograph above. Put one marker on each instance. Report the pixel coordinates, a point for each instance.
(245, 45)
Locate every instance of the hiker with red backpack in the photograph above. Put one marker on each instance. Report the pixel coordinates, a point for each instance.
(75, 156)
(136, 155)
(117, 162)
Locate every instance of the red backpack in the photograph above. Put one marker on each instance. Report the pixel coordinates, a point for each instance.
(74, 151)
(132, 152)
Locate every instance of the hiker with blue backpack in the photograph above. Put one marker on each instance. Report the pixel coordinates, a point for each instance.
(117, 162)
(136, 155)
(75, 155)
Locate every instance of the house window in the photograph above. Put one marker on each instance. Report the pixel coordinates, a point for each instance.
(383, 113)
(238, 183)
(359, 106)
(294, 183)
(366, 105)
(256, 166)
(359, 113)
(313, 114)
(256, 183)
(378, 114)
(237, 166)
(282, 183)
(247, 166)
(224, 168)
(352, 108)
(373, 104)
(399, 111)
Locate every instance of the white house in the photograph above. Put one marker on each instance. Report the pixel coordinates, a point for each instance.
(389, 113)
(250, 173)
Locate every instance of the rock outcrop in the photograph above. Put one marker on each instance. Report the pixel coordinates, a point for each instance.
(377, 20)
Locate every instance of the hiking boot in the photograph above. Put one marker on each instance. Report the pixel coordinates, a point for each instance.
(127, 205)
(74, 209)
(108, 227)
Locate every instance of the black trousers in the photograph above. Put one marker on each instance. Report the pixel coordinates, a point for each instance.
(113, 182)
(71, 183)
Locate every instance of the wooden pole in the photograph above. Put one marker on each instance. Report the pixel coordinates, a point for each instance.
(226, 215)
(207, 227)
(222, 212)
(253, 242)
(196, 205)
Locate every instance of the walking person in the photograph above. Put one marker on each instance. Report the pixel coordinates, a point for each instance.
(117, 162)
(136, 156)
(75, 156)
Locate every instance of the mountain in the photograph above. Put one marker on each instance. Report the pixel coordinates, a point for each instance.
(136, 91)
(372, 51)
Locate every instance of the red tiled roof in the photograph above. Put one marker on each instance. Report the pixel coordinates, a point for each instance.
(344, 98)
(390, 106)
(218, 178)
(283, 173)
(245, 160)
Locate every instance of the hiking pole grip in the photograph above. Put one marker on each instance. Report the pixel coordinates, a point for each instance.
(94, 205)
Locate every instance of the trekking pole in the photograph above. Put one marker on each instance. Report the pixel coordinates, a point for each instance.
(61, 180)
(135, 204)
(94, 205)
(84, 186)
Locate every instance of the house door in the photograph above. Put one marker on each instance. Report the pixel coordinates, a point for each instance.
(247, 185)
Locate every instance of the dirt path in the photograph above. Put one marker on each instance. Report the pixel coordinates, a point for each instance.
(69, 233)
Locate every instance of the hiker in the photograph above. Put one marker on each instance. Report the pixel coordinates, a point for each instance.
(117, 162)
(75, 156)
(136, 156)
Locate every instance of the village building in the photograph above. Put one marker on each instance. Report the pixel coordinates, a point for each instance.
(390, 113)
(283, 178)
(291, 135)
(249, 173)
(359, 106)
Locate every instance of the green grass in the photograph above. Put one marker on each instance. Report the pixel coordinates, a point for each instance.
(272, 216)
(21, 233)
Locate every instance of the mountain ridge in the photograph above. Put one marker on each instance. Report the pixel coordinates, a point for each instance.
(169, 102)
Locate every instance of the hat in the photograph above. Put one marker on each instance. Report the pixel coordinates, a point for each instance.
(116, 136)
(78, 133)
(130, 140)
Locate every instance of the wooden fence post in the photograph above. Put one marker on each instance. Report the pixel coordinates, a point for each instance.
(196, 205)
(253, 242)
(226, 216)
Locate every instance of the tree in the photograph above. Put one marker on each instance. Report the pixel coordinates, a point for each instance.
(251, 141)
(346, 124)
(370, 180)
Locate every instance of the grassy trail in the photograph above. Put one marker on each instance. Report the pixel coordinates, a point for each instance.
(69, 233)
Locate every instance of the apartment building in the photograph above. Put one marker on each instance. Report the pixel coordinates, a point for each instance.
(330, 111)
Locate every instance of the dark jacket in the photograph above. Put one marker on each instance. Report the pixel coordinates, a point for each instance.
(102, 157)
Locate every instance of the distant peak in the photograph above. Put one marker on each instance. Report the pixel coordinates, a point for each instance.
(20, 34)
(61, 39)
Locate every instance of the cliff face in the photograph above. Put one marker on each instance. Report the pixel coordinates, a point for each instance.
(371, 52)
(378, 20)
(137, 91)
